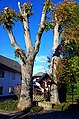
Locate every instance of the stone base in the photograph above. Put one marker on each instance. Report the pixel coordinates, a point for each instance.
(45, 105)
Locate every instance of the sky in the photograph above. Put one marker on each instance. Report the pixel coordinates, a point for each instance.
(47, 38)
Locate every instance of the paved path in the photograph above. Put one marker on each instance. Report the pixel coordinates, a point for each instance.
(43, 115)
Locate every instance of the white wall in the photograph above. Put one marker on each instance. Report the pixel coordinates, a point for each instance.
(8, 81)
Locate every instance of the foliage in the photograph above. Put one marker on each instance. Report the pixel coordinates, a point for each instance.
(51, 75)
(27, 7)
(7, 17)
(68, 70)
(69, 97)
(19, 17)
(70, 49)
(48, 5)
(71, 36)
(74, 66)
(48, 26)
(72, 33)
(68, 73)
(48, 9)
(66, 13)
(62, 71)
(73, 84)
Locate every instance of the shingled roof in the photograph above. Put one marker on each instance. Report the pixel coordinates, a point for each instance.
(9, 64)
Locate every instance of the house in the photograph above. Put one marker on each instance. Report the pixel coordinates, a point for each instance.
(10, 76)
(42, 84)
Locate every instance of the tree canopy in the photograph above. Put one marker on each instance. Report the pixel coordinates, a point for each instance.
(65, 22)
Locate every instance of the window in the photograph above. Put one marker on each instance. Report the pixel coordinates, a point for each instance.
(1, 89)
(11, 90)
(2, 74)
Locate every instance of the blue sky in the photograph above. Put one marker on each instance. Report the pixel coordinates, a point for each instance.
(46, 42)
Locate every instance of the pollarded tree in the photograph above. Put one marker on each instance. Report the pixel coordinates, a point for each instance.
(65, 15)
(7, 19)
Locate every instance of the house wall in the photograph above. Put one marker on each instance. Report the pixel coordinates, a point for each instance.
(10, 79)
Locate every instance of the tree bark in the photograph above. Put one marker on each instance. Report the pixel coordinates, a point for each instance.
(25, 100)
(12, 39)
(54, 88)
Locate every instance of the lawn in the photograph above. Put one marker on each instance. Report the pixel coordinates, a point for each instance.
(11, 105)
(8, 104)
(65, 106)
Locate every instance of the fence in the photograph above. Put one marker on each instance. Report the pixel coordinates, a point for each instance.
(38, 98)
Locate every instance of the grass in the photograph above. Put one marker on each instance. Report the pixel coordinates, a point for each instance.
(35, 109)
(11, 105)
(61, 106)
(8, 105)
(64, 106)
(70, 98)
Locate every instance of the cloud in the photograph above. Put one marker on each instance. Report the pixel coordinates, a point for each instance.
(41, 59)
(40, 65)
(40, 68)
(37, 69)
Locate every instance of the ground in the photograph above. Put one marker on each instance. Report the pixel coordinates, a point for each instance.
(67, 110)
(69, 114)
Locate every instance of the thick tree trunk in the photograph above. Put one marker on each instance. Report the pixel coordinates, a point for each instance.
(26, 98)
(54, 61)
(54, 87)
(27, 61)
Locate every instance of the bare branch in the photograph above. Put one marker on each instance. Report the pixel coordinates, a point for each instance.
(18, 51)
(19, 6)
(41, 28)
(27, 35)
(12, 39)
(25, 22)
(56, 37)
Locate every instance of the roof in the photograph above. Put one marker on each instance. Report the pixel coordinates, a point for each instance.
(41, 78)
(38, 74)
(10, 64)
